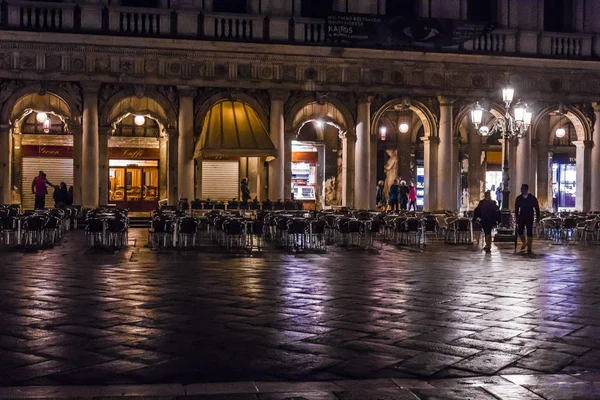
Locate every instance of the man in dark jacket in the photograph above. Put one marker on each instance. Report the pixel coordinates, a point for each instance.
(526, 209)
(393, 196)
(379, 196)
(403, 195)
(245, 189)
(488, 213)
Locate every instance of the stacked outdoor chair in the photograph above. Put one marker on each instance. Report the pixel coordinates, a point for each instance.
(187, 232)
(430, 227)
(317, 234)
(8, 228)
(107, 227)
(459, 231)
(234, 235)
(34, 230)
(296, 234)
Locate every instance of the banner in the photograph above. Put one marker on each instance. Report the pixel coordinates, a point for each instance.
(377, 30)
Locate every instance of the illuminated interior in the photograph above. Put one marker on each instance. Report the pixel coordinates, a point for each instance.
(133, 180)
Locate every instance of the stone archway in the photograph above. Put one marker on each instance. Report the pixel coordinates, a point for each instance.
(320, 133)
(550, 150)
(408, 151)
(39, 136)
(484, 152)
(138, 130)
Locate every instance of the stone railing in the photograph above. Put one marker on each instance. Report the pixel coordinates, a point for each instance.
(33, 15)
(191, 23)
(233, 26)
(566, 44)
(139, 21)
(498, 41)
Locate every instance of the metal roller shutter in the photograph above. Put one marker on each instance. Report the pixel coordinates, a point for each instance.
(220, 180)
(57, 170)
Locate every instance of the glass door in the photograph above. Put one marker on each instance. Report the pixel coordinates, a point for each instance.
(564, 182)
(134, 187)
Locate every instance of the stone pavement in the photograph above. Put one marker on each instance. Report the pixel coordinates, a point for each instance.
(446, 322)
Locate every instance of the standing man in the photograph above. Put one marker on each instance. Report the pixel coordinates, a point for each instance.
(403, 195)
(525, 205)
(393, 196)
(39, 187)
(499, 196)
(245, 189)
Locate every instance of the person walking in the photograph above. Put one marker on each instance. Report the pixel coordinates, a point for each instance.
(39, 187)
(412, 197)
(488, 213)
(403, 196)
(245, 190)
(379, 196)
(526, 209)
(499, 196)
(393, 196)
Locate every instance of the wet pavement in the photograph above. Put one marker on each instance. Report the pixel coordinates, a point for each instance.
(444, 322)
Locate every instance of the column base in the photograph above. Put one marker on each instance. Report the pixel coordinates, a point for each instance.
(505, 235)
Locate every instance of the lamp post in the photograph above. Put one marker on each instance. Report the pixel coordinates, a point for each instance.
(509, 127)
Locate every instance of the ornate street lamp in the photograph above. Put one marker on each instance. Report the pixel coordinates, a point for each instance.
(509, 126)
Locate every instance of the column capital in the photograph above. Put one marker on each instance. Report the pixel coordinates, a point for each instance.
(172, 133)
(363, 98)
(586, 144)
(91, 88)
(446, 100)
(430, 140)
(76, 130)
(186, 91)
(279, 94)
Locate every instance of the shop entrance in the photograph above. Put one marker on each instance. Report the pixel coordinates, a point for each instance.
(564, 183)
(134, 184)
(307, 176)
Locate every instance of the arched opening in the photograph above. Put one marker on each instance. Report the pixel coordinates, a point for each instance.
(42, 141)
(137, 154)
(399, 128)
(231, 143)
(480, 158)
(317, 155)
(562, 159)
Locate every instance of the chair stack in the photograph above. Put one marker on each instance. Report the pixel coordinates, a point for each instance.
(107, 227)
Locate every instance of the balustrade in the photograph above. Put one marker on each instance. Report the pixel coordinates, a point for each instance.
(187, 23)
(136, 21)
(566, 45)
(233, 26)
(33, 15)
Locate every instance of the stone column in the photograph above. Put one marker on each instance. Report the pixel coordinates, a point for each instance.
(287, 169)
(348, 143)
(582, 190)
(89, 147)
(523, 172)
(5, 165)
(185, 153)
(430, 178)
(515, 189)
(446, 168)
(277, 166)
(77, 161)
(173, 189)
(103, 165)
(595, 169)
(362, 184)
(373, 171)
(163, 167)
(543, 177)
(474, 171)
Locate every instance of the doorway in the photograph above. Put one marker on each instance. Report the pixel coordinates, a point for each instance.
(134, 186)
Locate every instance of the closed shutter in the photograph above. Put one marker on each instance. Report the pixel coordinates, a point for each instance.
(220, 180)
(57, 170)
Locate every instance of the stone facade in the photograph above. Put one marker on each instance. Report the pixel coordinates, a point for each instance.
(93, 73)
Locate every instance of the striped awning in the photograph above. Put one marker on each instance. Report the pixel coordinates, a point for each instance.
(232, 129)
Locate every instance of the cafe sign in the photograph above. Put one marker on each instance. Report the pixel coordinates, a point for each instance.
(47, 151)
(130, 153)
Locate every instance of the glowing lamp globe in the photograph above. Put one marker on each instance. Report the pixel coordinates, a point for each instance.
(139, 120)
(41, 117)
(403, 127)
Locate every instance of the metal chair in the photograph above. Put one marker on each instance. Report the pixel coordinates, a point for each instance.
(116, 233)
(233, 234)
(296, 234)
(317, 235)
(33, 230)
(460, 231)
(94, 232)
(186, 234)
